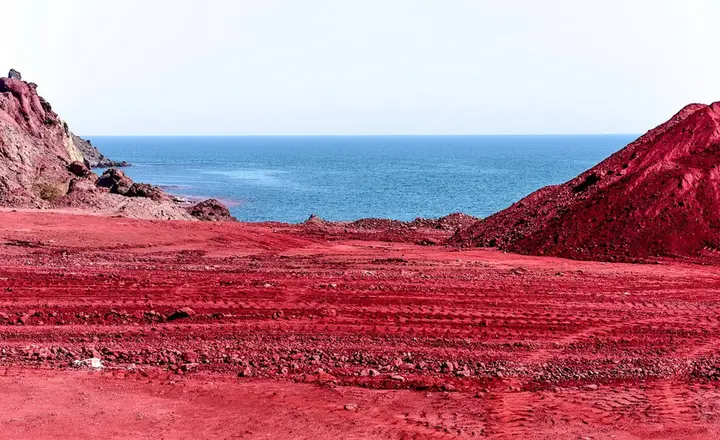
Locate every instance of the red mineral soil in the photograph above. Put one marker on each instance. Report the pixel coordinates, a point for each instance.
(657, 196)
(235, 330)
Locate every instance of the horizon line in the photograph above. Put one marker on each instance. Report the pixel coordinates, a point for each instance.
(363, 135)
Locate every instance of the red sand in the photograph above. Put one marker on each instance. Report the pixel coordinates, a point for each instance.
(657, 196)
(426, 341)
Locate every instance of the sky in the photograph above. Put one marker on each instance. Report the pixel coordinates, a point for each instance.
(329, 67)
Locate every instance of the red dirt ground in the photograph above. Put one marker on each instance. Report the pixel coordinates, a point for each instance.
(288, 328)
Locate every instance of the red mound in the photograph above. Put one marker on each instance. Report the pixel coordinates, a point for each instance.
(657, 196)
(426, 231)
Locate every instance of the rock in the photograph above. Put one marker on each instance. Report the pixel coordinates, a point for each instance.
(397, 378)
(92, 155)
(183, 313)
(370, 372)
(92, 363)
(211, 210)
(14, 74)
(314, 220)
(447, 366)
(146, 190)
(449, 387)
(79, 169)
(351, 407)
(463, 373)
(247, 372)
(115, 180)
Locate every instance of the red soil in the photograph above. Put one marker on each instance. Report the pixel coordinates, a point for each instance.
(657, 196)
(282, 328)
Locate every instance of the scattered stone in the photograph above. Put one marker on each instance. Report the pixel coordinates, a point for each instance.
(247, 372)
(447, 366)
(449, 387)
(463, 373)
(92, 363)
(183, 313)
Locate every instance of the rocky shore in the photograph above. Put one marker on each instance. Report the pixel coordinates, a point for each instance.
(46, 166)
(93, 157)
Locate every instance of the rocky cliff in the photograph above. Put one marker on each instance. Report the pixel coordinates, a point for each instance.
(41, 165)
(93, 157)
(659, 196)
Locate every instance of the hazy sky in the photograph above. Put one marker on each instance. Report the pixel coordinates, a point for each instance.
(364, 66)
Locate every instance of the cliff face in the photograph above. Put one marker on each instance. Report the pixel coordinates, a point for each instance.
(35, 146)
(660, 195)
(41, 165)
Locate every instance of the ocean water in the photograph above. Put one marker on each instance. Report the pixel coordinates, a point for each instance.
(287, 178)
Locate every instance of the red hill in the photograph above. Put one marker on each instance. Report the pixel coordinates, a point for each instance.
(658, 196)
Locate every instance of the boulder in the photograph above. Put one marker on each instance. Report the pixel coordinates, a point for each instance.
(14, 74)
(183, 313)
(211, 210)
(79, 169)
(146, 190)
(115, 180)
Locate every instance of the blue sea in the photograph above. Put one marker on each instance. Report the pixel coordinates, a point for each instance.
(287, 178)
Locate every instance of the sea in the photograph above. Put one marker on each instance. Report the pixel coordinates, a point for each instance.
(288, 178)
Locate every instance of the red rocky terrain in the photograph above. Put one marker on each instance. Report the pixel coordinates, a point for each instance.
(44, 165)
(657, 196)
(117, 327)
(234, 330)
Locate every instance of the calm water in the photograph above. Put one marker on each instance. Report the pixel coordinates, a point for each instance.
(346, 178)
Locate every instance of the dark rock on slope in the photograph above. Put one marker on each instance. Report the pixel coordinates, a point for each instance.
(659, 196)
(14, 74)
(115, 180)
(93, 157)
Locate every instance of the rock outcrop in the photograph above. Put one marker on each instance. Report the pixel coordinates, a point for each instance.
(211, 210)
(14, 74)
(35, 146)
(93, 157)
(41, 165)
(115, 181)
(659, 196)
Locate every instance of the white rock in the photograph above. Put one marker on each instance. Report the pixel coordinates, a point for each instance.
(94, 363)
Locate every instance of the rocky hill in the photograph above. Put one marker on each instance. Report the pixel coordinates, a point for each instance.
(41, 165)
(659, 196)
(93, 157)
